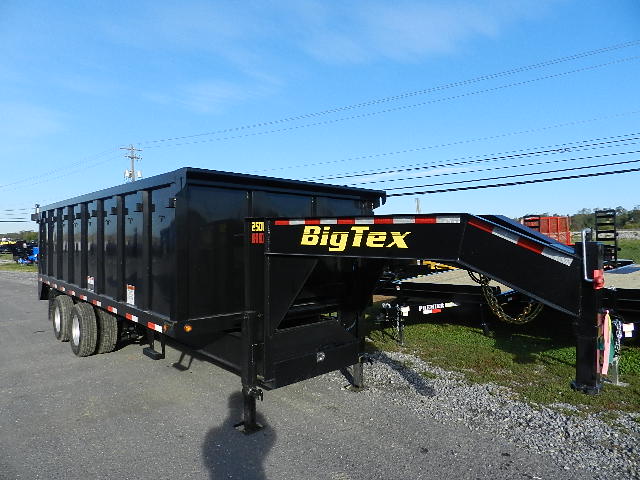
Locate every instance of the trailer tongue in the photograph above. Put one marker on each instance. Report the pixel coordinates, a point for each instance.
(281, 254)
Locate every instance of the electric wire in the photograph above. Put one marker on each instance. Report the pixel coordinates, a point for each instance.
(502, 167)
(510, 184)
(401, 107)
(603, 142)
(584, 167)
(458, 142)
(392, 98)
(49, 177)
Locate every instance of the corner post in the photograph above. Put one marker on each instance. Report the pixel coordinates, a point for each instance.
(250, 390)
(586, 325)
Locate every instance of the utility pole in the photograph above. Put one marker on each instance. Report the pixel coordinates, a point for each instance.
(131, 174)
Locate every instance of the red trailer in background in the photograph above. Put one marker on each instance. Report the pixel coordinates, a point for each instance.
(558, 228)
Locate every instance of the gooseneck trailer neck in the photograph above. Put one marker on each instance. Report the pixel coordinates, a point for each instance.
(284, 251)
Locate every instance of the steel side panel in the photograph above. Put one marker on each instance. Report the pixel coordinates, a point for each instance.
(438, 242)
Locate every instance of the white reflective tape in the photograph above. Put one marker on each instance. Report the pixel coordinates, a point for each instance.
(329, 221)
(557, 256)
(134, 318)
(157, 328)
(364, 221)
(446, 219)
(403, 220)
(296, 222)
(506, 235)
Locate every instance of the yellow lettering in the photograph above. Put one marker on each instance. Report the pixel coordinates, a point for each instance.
(398, 239)
(338, 241)
(376, 239)
(311, 235)
(257, 226)
(325, 235)
(359, 231)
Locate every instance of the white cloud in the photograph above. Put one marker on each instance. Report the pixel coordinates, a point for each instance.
(210, 96)
(23, 120)
(402, 30)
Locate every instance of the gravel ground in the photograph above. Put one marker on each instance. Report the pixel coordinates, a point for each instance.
(121, 415)
(574, 441)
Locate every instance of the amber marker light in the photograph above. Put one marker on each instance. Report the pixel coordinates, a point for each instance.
(187, 328)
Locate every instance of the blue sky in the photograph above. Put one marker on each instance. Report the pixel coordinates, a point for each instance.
(278, 88)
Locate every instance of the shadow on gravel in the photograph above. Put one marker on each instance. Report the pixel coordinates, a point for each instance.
(420, 384)
(228, 453)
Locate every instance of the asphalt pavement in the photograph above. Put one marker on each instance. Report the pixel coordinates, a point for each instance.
(123, 415)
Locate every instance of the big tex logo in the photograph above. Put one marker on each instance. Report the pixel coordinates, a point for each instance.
(356, 236)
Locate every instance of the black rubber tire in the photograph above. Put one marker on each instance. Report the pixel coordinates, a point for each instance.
(62, 317)
(52, 303)
(83, 329)
(107, 331)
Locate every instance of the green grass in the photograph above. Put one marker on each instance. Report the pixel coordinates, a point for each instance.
(629, 249)
(13, 266)
(536, 361)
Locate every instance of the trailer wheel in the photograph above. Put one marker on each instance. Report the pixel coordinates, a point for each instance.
(84, 330)
(62, 306)
(52, 303)
(107, 331)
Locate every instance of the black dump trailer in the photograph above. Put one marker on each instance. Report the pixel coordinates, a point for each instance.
(270, 277)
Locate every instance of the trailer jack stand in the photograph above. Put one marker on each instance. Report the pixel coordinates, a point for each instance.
(357, 376)
(249, 424)
(150, 351)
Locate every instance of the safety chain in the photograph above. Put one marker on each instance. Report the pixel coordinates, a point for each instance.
(529, 313)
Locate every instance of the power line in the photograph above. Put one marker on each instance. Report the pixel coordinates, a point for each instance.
(74, 164)
(584, 167)
(400, 96)
(50, 178)
(510, 184)
(513, 154)
(503, 167)
(457, 142)
(402, 107)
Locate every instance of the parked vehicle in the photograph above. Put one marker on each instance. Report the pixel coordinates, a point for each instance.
(270, 277)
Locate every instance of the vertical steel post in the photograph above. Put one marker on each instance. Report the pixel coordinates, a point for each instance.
(120, 247)
(586, 325)
(99, 280)
(84, 249)
(250, 390)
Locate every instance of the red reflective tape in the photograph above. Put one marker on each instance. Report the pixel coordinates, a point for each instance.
(426, 220)
(346, 221)
(529, 245)
(436, 310)
(377, 220)
(481, 226)
(151, 325)
(598, 279)
(128, 316)
(282, 222)
(311, 221)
